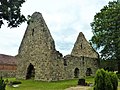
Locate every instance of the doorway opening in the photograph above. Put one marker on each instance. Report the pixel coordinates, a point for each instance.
(76, 73)
(30, 72)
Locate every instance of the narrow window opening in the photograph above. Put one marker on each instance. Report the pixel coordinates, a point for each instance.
(83, 60)
(65, 62)
(33, 32)
(81, 46)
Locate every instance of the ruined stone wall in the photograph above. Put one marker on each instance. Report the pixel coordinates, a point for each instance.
(8, 70)
(38, 49)
(82, 63)
(7, 73)
(83, 48)
(57, 70)
(91, 63)
(71, 64)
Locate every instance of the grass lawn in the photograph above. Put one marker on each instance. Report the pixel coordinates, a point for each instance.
(40, 85)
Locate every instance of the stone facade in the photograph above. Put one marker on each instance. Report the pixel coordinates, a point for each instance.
(39, 60)
(83, 48)
(8, 73)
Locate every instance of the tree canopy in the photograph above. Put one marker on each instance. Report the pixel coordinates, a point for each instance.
(106, 31)
(11, 12)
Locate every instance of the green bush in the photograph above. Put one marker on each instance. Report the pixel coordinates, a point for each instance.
(102, 81)
(105, 80)
(2, 84)
(118, 75)
(114, 80)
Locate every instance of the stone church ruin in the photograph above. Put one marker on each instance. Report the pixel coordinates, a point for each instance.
(39, 60)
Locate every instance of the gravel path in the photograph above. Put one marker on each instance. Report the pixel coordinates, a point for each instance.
(78, 88)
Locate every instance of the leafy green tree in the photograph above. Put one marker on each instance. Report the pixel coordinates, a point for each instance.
(10, 11)
(106, 31)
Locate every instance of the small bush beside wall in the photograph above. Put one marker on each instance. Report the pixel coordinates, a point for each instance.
(105, 80)
(2, 84)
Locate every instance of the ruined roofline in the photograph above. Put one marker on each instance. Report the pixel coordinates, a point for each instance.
(83, 48)
(66, 56)
(36, 13)
(37, 21)
(38, 24)
(39, 60)
(81, 34)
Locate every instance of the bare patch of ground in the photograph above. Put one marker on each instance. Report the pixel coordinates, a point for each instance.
(79, 88)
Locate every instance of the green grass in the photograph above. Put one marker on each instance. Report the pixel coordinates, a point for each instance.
(89, 79)
(40, 85)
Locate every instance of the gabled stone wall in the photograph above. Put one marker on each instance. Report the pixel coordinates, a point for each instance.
(82, 63)
(39, 60)
(83, 48)
(36, 48)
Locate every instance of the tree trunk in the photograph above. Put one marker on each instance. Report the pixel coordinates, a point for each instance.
(118, 66)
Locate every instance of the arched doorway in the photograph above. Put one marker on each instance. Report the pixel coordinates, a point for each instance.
(30, 72)
(76, 72)
(88, 72)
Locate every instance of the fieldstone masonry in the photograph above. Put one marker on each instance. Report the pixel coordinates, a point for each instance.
(39, 60)
(83, 48)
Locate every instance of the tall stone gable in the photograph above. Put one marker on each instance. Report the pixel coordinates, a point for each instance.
(39, 60)
(83, 48)
(37, 48)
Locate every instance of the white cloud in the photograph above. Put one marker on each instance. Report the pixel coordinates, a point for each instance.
(65, 19)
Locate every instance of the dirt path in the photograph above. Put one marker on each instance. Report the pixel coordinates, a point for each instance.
(79, 88)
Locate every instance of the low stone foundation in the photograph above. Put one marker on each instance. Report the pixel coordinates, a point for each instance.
(7, 73)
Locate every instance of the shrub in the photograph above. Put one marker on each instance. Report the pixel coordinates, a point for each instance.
(105, 80)
(102, 80)
(114, 80)
(118, 75)
(2, 84)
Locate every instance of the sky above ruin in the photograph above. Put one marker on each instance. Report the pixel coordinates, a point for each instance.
(64, 18)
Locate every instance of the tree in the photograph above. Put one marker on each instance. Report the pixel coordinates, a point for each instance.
(106, 32)
(10, 11)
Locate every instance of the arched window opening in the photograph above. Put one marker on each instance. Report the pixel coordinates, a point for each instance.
(76, 73)
(88, 72)
(65, 62)
(81, 46)
(33, 32)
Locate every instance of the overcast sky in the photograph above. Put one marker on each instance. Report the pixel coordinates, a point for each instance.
(64, 18)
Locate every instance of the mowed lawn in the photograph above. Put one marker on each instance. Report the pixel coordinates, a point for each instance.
(40, 85)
